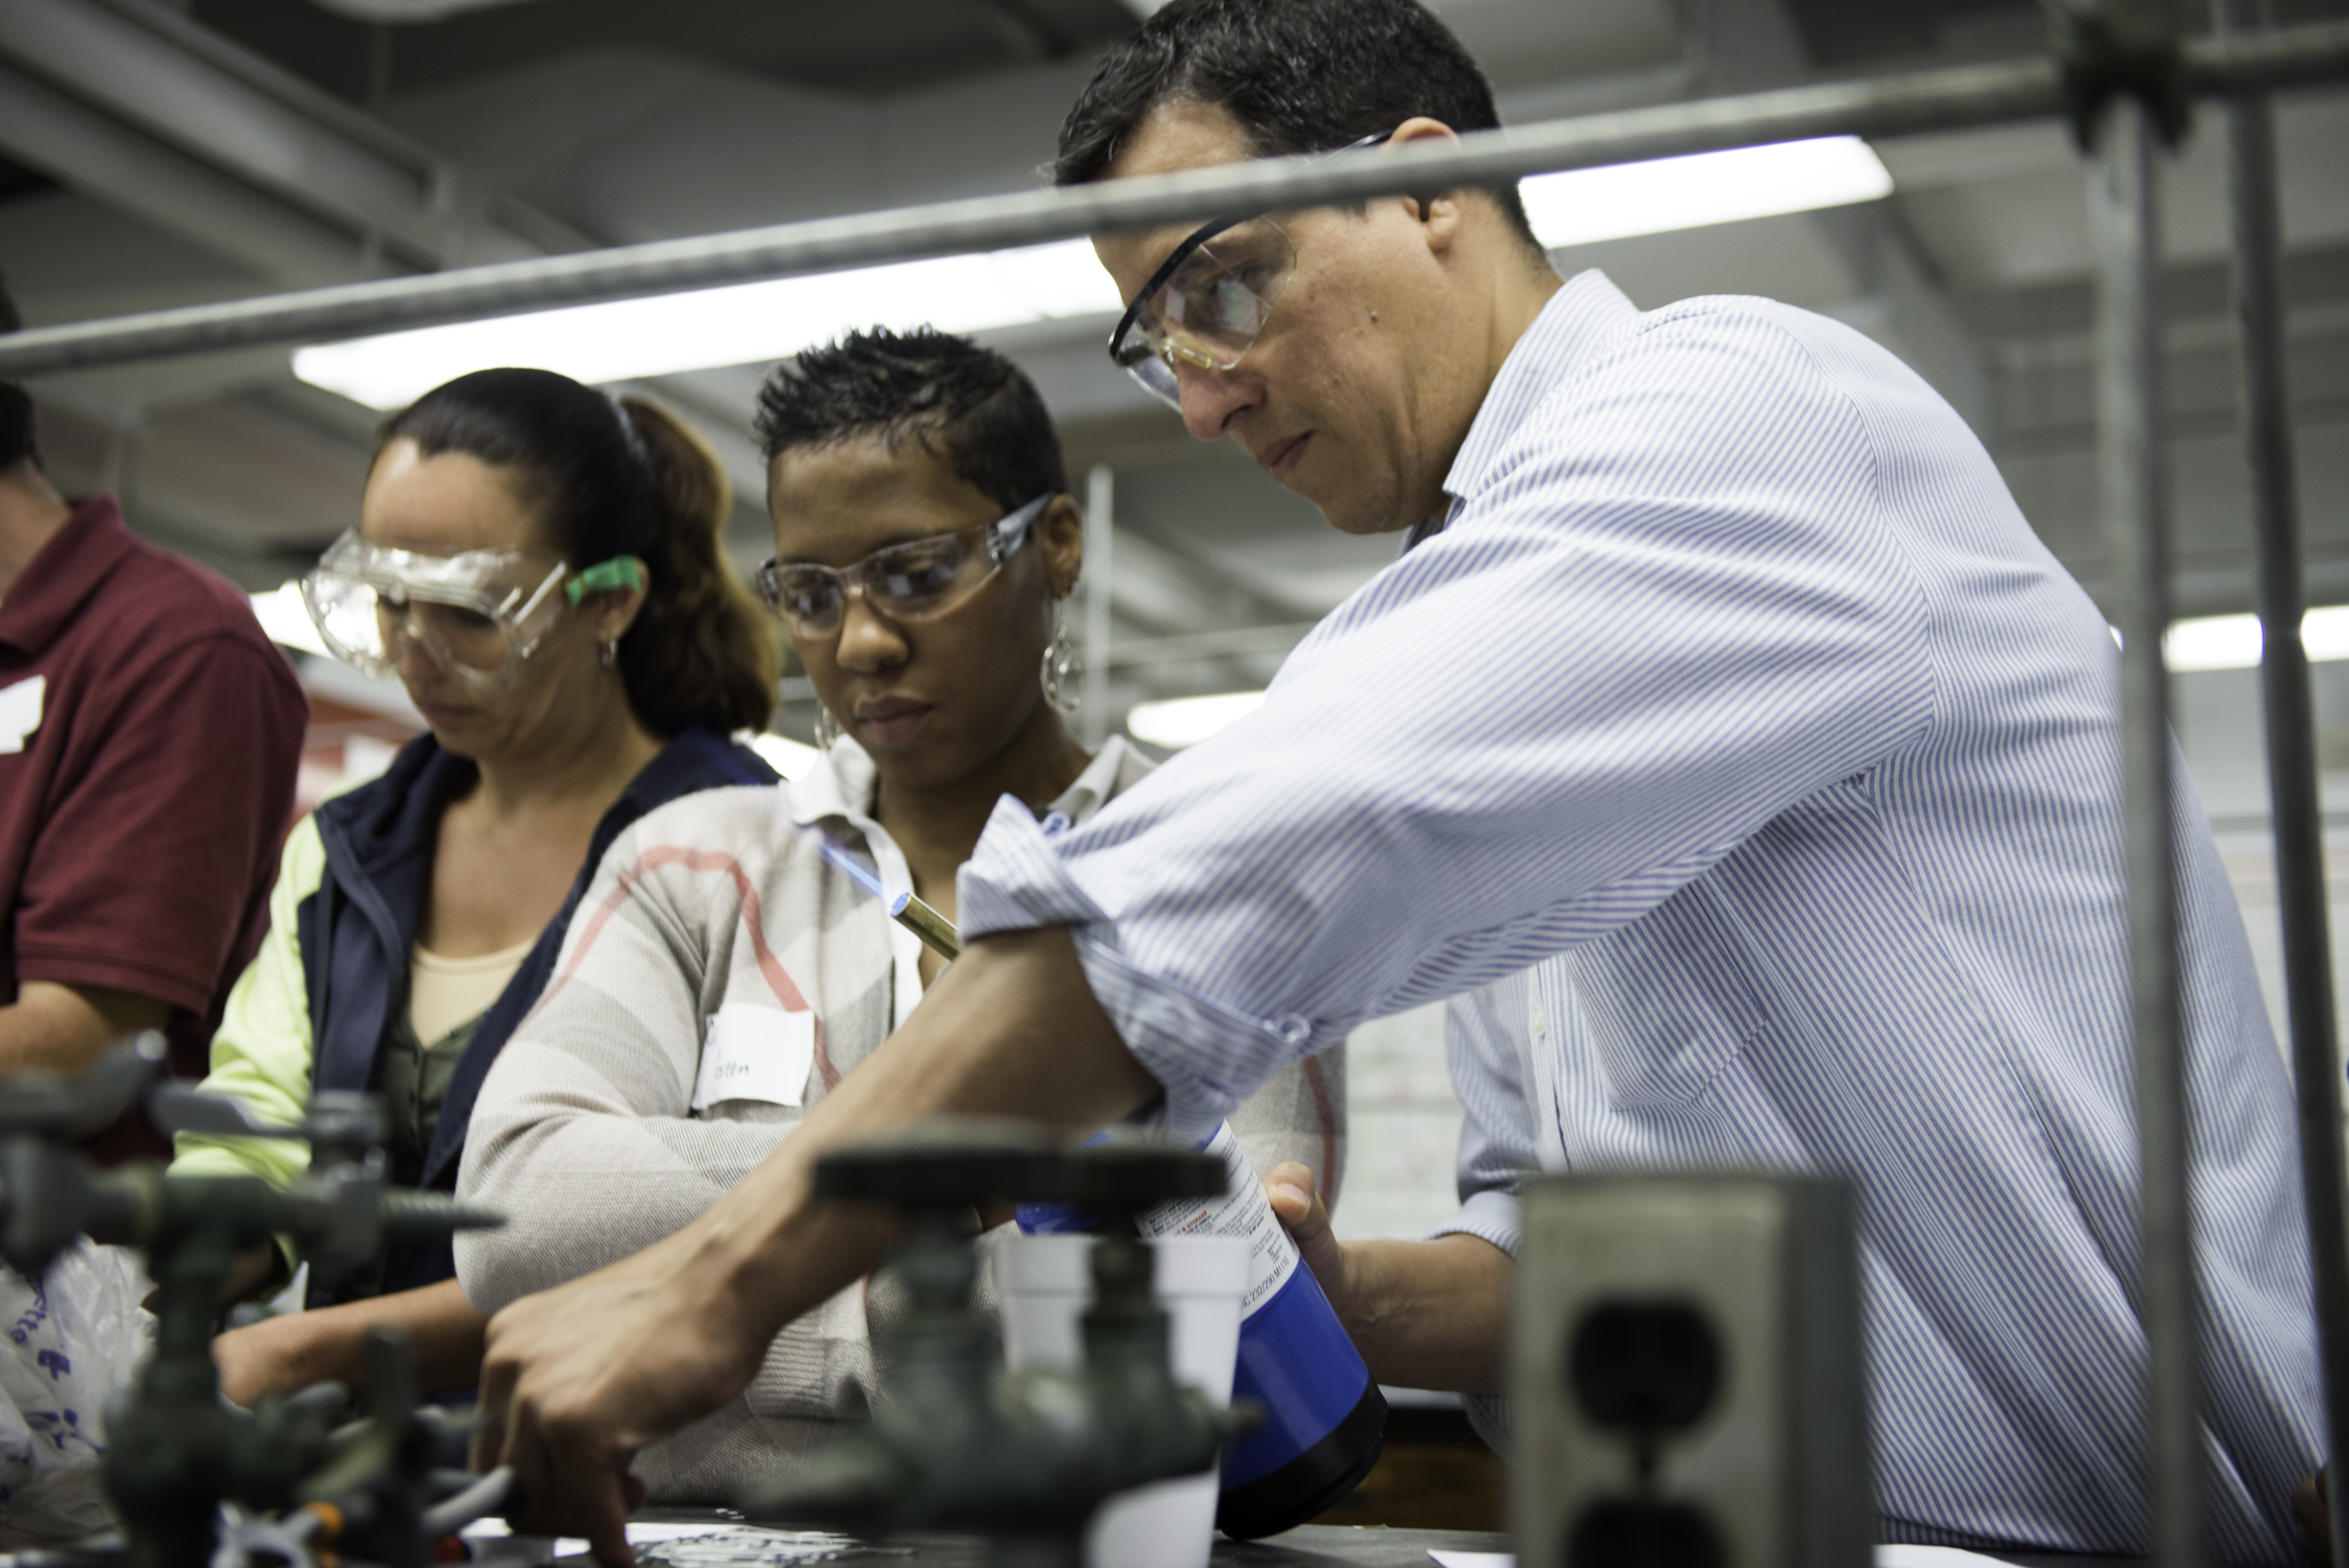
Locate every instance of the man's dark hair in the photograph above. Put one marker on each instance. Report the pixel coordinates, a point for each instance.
(967, 404)
(15, 403)
(1299, 75)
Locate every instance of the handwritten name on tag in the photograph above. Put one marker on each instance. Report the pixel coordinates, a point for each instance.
(20, 712)
(755, 1053)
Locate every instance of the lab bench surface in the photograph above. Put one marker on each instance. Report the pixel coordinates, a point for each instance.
(1357, 1546)
(1309, 1546)
(1376, 1548)
(1332, 1546)
(1342, 1546)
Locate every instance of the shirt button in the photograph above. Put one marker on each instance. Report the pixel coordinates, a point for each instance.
(1541, 1027)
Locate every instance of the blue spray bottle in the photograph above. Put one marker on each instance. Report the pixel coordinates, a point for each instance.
(1323, 1418)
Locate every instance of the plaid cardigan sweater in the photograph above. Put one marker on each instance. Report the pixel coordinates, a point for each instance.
(587, 1135)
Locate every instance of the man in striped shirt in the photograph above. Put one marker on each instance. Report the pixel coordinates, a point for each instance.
(1721, 678)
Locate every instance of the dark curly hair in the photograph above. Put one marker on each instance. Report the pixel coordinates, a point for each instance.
(1299, 75)
(621, 477)
(967, 404)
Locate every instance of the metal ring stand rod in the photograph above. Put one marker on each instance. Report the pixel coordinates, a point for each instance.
(2295, 797)
(2126, 221)
(1893, 106)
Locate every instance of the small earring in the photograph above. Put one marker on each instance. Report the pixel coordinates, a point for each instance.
(611, 652)
(827, 733)
(1063, 667)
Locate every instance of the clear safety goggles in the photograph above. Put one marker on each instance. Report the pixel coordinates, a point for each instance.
(478, 615)
(1208, 301)
(912, 581)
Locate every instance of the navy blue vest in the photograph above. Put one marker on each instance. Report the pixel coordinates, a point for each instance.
(357, 930)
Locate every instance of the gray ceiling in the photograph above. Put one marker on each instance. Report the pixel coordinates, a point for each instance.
(152, 155)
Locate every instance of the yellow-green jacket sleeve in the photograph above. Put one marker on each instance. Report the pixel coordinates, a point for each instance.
(263, 1053)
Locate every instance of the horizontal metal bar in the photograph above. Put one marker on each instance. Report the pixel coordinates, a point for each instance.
(1892, 106)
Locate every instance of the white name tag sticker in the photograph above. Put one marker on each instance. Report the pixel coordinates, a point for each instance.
(20, 712)
(755, 1053)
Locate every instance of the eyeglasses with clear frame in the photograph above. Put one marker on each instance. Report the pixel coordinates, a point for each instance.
(1208, 301)
(919, 580)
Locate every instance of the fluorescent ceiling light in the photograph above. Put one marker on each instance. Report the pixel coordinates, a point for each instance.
(2235, 642)
(287, 619)
(1187, 720)
(1582, 205)
(749, 323)
(742, 325)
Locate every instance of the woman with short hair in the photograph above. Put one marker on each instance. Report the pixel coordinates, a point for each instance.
(725, 973)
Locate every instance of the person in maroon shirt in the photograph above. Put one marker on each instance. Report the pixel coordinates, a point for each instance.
(149, 734)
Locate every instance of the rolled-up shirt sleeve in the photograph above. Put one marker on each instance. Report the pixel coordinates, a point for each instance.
(1667, 609)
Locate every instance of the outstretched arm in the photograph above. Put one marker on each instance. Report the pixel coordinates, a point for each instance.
(285, 1355)
(576, 1380)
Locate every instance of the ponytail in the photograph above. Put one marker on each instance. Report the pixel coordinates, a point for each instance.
(701, 652)
(618, 479)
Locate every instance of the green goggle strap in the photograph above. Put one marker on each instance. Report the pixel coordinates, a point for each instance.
(620, 571)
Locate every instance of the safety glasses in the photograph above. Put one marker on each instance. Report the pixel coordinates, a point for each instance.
(478, 614)
(1207, 303)
(916, 580)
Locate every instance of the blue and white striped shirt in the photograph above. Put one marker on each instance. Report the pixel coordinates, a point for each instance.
(1737, 687)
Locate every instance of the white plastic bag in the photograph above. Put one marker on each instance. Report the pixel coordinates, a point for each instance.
(74, 1337)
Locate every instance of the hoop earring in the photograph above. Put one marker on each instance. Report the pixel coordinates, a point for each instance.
(611, 652)
(827, 733)
(1063, 666)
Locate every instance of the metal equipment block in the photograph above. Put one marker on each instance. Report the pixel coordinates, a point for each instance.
(1687, 1366)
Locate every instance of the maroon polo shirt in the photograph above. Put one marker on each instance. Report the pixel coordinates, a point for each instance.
(145, 782)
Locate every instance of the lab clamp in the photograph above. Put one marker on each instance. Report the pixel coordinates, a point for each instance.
(182, 1465)
(962, 1445)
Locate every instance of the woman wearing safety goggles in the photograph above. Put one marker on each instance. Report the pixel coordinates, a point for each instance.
(925, 546)
(476, 615)
(538, 565)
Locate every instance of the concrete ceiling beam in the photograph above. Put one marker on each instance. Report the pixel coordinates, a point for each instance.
(110, 60)
(329, 169)
(83, 147)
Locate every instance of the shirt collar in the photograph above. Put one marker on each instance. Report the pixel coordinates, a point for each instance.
(842, 785)
(1097, 783)
(1575, 323)
(839, 785)
(66, 571)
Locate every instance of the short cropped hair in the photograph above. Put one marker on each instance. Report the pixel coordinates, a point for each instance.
(17, 443)
(1299, 75)
(964, 403)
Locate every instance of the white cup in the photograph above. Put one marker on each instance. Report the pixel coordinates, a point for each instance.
(1047, 1283)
